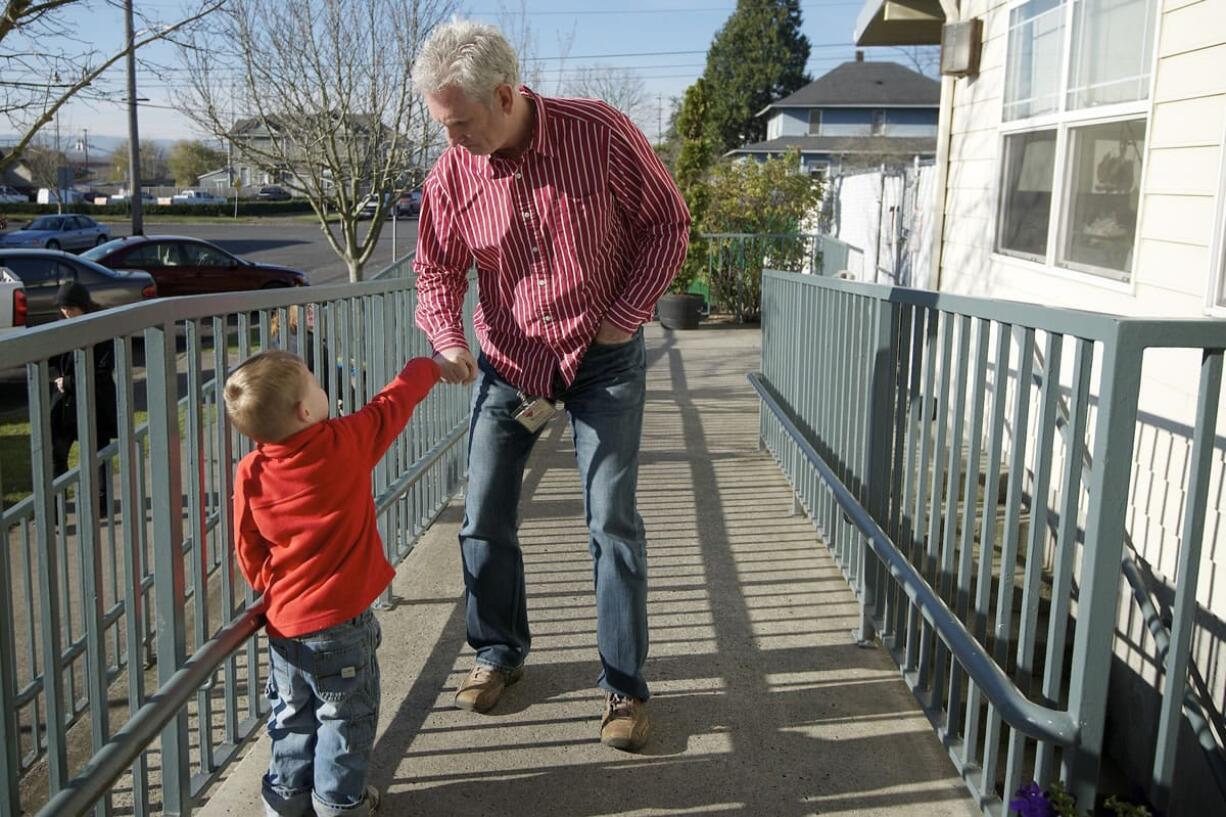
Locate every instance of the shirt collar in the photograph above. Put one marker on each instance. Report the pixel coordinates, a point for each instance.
(540, 133)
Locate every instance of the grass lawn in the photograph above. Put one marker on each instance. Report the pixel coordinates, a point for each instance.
(16, 473)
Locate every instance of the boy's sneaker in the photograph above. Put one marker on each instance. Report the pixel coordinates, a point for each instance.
(483, 687)
(625, 725)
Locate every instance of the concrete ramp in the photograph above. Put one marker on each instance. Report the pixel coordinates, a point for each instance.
(763, 706)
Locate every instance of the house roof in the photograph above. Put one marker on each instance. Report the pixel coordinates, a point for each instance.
(866, 84)
(909, 145)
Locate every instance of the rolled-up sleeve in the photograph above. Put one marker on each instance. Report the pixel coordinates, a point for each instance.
(647, 195)
(441, 265)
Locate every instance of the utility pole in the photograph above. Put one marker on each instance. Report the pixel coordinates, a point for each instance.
(660, 119)
(85, 146)
(134, 199)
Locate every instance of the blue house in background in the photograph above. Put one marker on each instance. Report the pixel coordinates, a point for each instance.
(861, 113)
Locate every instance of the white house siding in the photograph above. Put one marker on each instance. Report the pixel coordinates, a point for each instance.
(1173, 275)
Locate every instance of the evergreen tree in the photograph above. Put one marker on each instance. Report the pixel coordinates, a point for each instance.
(757, 57)
(693, 160)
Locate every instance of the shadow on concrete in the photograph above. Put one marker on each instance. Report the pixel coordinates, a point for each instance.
(762, 703)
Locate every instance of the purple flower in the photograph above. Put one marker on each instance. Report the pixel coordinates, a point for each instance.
(1031, 801)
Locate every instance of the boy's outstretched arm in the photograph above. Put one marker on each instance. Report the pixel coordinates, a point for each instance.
(378, 423)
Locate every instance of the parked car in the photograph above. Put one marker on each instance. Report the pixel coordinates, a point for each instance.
(42, 272)
(409, 204)
(367, 208)
(145, 197)
(273, 193)
(190, 266)
(13, 306)
(10, 195)
(58, 232)
(196, 196)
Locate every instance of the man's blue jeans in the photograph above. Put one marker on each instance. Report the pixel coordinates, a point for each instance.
(324, 691)
(605, 404)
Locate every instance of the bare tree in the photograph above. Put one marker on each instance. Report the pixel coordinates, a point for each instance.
(328, 102)
(622, 88)
(926, 59)
(522, 37)
(46, 166)
(45, 60)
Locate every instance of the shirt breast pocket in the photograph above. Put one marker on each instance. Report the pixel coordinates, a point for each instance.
(581, 224)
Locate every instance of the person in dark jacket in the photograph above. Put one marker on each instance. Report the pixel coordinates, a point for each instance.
(73, 301)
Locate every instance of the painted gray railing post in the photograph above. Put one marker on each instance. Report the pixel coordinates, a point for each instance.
(1100, 571)
(10, 793)
(39, 389)
(88, 540)
(167, 477)
(1184, 608)
(133, 561)
(878, 454)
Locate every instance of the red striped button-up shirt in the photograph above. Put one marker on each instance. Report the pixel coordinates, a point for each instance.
(585, 225)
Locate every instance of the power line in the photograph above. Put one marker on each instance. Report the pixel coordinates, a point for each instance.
(572, 12)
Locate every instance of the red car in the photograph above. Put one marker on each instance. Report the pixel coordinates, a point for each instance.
(190, 266)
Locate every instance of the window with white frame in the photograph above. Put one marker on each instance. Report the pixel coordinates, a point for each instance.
(878, 126)
(815, 121)
(1075, 113)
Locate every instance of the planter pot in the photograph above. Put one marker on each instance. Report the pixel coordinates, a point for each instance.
(680, 311)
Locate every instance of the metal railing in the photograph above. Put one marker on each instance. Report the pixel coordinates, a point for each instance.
(735, 262)
(104, 600)
(931, 479)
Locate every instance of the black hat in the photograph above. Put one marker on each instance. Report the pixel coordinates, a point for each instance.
(74, 294)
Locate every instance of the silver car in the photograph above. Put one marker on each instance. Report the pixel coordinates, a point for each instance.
(59, 232)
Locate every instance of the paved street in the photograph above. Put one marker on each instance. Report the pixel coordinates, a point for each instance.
(291, 242)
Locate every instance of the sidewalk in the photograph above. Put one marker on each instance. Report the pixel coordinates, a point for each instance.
(762, 707)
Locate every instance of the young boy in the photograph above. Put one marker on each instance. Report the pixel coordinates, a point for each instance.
(306, 537)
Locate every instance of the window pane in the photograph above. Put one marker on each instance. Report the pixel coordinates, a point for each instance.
(1104, 191)
(1113, 46)
(815, 121)
(1032, 73)
(1030, 166)
(200, 255)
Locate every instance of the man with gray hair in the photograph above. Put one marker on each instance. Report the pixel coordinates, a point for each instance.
(576, 229)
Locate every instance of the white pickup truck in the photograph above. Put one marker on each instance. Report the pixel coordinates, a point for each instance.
(12, 303)
(196, 196)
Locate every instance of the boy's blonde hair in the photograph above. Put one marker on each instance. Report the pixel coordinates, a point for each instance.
(262, 393)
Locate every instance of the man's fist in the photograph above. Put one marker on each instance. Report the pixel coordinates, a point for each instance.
(457, 365)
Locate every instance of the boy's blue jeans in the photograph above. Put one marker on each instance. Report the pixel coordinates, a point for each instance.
(324, 691)
(605, 403)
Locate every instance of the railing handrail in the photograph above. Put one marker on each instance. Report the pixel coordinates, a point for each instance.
(1145, 333)
(56, 338)
(146, 724)
(1018, 711)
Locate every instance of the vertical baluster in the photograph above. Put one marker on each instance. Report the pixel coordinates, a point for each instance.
(133, 512)
(935, 512)
(1066, 546)
(168, 571)
(38, 388)
(90, 550)
(1183, 610)
(1008, 556)
(949, 543)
